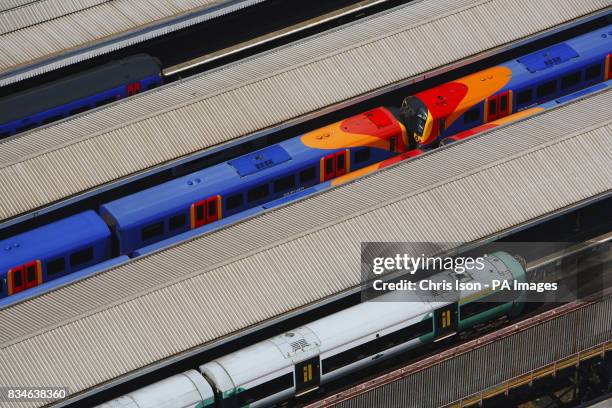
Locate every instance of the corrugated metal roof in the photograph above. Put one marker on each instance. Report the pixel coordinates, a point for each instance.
(106, 326)
(40, 36)
(27, 13)
(10, 4)
(56, 162)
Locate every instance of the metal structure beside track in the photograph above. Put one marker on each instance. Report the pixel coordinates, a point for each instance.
(294, 256)
(37, 36)
(482, 368)
(115, 144)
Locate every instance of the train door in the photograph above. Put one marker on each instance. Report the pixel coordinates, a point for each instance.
(23, 277)
(307, 376)
(205, 211)
(497, 106)
(446, 321)
(334, 165)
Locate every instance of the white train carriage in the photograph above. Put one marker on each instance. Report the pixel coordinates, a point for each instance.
(299, 361)
(184, 390)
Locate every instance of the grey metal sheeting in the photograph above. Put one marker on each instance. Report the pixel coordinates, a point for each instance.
(103, 327)
(10, 4)
(62, 160)
(40, 36)
(25, 14)
(494, 363)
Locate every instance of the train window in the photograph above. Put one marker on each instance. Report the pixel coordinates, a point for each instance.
(56, 266)
(503, 103)
(307, 175)
(177, 221)
(52, 119)
(257, 193)
(81, 257)
(329, 165)
(30, 271)
(284, 183)
(18, 278)
(524, 97)
(79, 110)
(546, 89)
(570, 80)
(106, 101)
(234, 201)
(152, 231)
(266, 389)
(362, 155)
(199, 212)
(212, 208)
(26, 127)
(492, 107)
(471, 116)
(377, 345)
(592, 72)
(484, 304)
(340, 162)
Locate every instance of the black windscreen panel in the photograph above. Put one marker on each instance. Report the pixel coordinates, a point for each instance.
(377, 345)
(266, 389)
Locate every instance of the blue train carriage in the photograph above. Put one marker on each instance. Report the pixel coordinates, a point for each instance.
(63, 280)
(78, 93)
(513, 86)
(251, 180)
(52, 251)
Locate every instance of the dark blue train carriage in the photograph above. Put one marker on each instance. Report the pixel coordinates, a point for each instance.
(52, 251)
(78, 93)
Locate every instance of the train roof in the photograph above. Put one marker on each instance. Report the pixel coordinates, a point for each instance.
(524, 71)
(224, 178)
(77, 86)
(550, 61)
(255, 168)
(52, 239)
(154, 203)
